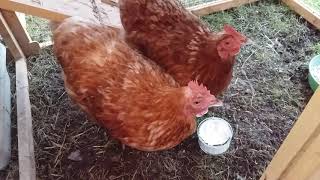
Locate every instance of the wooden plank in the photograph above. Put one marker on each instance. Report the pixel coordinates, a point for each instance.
(27, 170)
(60, 9)
(205, 8)
(315, 175)
(299, 144)
(306, 12)
(308, 162)
(5, 111)
(27, 167)
(35, 9)
(22, 19)
(9, 39)
(28, 46)
(215, 6)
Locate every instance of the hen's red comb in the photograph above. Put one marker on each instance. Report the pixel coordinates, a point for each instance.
(228, 29)
(196, 87)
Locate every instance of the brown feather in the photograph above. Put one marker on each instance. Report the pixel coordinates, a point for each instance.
(141, 105)
(167, 33)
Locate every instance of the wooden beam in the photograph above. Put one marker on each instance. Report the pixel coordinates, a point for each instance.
(34, 9)
(28, 46)
(215, 6)
(298, 157)
(27, 169)
(308, 162)
(306, 12)
(27, 166)
(5, 111)
(9, 39)
(58, 10)
(205, 8)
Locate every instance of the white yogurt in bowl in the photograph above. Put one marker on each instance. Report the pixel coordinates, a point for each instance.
(214, 135)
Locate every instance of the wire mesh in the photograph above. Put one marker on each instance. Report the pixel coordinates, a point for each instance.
(189, 3)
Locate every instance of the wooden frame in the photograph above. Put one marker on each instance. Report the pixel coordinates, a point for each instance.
(298, 151)
(104, 10)
(20, 45)
(27, 168)
(60, 9)
(215, 6)
(302, 9)
(298, 157)
(28, 46)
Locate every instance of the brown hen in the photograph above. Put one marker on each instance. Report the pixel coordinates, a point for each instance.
(168, 34)
(141, 105)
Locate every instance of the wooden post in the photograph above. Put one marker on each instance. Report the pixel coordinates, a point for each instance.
(9, 39)
(299, 156)
(5, 111)
(215, 6)
(303, 10)
(28, 46)
(58, 10)
(27, 168)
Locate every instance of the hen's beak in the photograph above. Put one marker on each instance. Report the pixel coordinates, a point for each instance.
(216, 103)
(249, 41)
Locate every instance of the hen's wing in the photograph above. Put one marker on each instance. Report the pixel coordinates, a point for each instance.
(168, 13)
(164, 31)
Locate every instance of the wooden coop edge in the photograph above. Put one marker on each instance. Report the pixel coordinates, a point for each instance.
(215, 6)
(290, 159)
(9, 38)
(33, 10)
(83, 9)
(58, 15)
(205, 8)
(306, 12)
(27, 170)
(18, 28)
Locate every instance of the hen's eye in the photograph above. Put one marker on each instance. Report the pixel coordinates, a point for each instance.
(197, 102)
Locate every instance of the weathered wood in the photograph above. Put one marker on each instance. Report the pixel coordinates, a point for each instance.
(215, 6)
(304, 166)
(5, 111)
(27, 168)
(298, 157)
(22, 19)
(28, 46)
(306, 12)
(205, 8)
(60, 9)
(9, 39)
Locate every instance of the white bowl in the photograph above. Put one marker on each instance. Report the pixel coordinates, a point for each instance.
(219, 147)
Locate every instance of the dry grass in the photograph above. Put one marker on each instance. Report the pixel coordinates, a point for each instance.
(268, 92)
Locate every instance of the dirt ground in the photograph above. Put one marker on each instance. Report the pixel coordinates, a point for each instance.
(268, 92)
